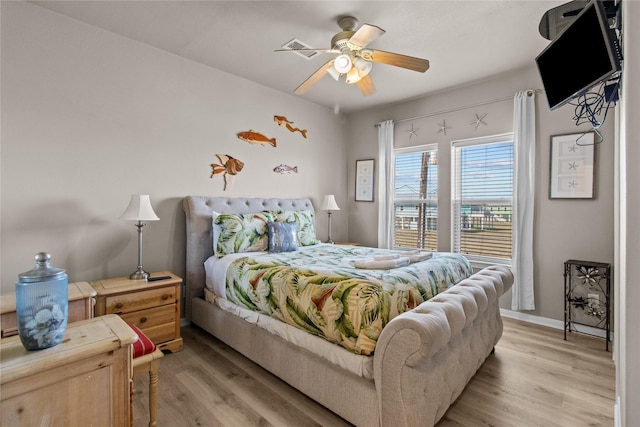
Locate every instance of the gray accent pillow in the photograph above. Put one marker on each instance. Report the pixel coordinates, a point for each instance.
(282, 236)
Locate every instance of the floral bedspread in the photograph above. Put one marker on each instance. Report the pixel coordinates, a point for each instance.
(318, 289)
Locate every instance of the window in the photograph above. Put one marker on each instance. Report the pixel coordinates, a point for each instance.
(482, 195)
(415, 198)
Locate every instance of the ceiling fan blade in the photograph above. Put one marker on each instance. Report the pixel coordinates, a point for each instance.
(308, 50)
(398, 60)
(366, 86)
(365, 35)
(313, 78)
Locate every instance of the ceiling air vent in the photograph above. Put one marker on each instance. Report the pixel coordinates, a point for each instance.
(297, 44)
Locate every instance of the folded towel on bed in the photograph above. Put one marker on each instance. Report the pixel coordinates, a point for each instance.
(385, 264)
(385, 257)
(413, 255)
(419, 256)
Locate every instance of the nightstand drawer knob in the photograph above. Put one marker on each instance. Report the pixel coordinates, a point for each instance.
(143, 319)
(166, 296)
(119, 305)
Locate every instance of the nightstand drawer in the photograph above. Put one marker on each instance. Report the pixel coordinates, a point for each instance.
(152, 317)
(123, 303)
(160, 333)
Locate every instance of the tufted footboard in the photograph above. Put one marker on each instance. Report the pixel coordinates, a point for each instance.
(424, 358)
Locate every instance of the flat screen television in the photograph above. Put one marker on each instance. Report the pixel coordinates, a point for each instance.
(581, 56)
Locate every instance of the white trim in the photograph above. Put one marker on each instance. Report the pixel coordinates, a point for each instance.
(414, 149)
(553, 323)
(483, 140)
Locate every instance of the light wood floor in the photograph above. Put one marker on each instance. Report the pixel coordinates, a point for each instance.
(535, 378)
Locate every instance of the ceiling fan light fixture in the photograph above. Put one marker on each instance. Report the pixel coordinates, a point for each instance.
(364, 67)
(342, 64)
(366, 54)
(353, 76)
(333, 73)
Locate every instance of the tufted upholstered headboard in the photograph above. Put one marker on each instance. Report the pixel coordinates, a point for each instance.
(199, 229)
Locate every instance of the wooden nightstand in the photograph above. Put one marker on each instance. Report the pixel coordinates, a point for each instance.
(346, 243)
(85, 380)
(154, 307)
(81, 301)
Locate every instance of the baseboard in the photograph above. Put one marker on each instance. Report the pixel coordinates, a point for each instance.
(616, 413)
(553, 323)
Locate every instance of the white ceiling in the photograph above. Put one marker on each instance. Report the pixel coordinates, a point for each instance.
(463, 40)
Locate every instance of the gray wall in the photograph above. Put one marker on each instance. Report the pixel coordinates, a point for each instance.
(89, 118)
(563, 229)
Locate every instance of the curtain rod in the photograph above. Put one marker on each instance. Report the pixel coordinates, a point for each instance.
(530, 92)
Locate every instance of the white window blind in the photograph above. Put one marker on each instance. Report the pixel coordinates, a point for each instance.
(482, 198)
(415, 198)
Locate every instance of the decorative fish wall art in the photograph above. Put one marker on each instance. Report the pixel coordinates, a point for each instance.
(286, 123)
(285, 169)
(253, 137)
(229, 168)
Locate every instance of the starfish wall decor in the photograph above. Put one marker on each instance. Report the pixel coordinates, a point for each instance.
(412, 132)
(443, 127)
(479, 120)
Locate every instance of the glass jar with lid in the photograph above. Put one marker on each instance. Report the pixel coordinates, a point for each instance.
(42, 304)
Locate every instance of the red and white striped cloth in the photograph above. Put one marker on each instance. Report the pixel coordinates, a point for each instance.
(143, 345)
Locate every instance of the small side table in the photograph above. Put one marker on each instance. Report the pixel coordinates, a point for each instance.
(587, 290)
(346, 243)
(154, 307)
(81, 302)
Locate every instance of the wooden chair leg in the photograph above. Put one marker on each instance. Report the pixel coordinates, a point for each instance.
(150, 363)
(153, 392)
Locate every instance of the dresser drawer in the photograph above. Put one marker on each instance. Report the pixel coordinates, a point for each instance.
(151, 317)
(124, 303)
(159, 324)
(161, 333)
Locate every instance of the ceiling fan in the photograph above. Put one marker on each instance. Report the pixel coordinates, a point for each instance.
(354, 60)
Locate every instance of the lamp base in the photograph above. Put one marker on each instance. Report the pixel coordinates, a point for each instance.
(139, 274)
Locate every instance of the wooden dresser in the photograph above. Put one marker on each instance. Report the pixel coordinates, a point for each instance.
(81, 301)
(85, 380)
(154, 307)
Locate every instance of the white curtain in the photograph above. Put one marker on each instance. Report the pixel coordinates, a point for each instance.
(524, 131)
(385, 151)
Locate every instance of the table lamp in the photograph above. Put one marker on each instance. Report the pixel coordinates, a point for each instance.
(139, 209)
(329, 204)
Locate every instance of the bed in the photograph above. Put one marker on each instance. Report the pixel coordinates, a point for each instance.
(423, 357)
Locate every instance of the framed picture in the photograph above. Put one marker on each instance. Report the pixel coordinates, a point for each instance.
(572, 166)
(364, 180)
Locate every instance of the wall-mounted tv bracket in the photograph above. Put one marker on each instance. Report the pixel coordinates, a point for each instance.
(556, 19)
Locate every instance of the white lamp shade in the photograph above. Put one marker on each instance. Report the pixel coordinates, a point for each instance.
(342, 63)
(364, 67)
(139, 209)
(333, 73)
(353, 76)
(329, 203)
